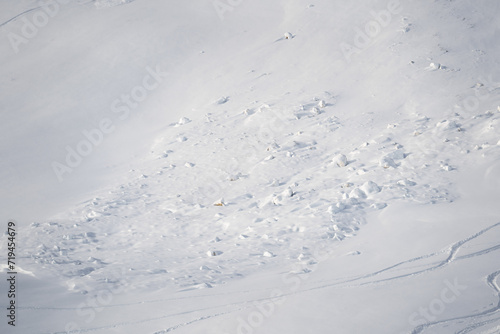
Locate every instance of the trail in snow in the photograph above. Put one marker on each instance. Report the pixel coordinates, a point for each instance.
(19, 15)
(83, 2)
(491, 281)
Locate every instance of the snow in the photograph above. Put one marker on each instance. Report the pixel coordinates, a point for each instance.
(199, 169)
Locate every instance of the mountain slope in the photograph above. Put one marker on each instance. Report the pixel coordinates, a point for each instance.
(255, 167)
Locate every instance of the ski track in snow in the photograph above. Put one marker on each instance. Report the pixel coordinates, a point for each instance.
(491, 280)
(142, 321)
(240, 306)
(33, 9)
(452, 252)
(451, 257)
(19, 15)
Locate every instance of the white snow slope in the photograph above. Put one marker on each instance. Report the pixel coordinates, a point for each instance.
(257, 166)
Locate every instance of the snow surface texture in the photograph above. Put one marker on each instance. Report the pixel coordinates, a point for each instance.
(252, 167)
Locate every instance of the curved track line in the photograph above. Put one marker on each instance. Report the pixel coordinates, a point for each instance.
(18, 15)
(28, 11)
(452, 251)
(491, 282)
(478, 325)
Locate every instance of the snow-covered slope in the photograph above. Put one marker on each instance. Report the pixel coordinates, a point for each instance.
(252, 167)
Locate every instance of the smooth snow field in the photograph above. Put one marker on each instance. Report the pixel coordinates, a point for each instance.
(250, 166)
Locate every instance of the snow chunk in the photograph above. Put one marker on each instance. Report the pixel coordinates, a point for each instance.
(163, 155)
(219, 202)
(315, 111)
(378, 206)
(397, 155)
(370, 187)
(90, 234)
(361, 171)
(340, 160)
(268, 254)
(273, 147)
(387, 162)
(222, 100)
(336, 208)
(447, 125)
(321, 104)
(275, 183)
(288, 192)
(406, 183)
(214, 253)
(84, 271)
(433, 67)
(183, 120)
(357, 193)
(302, 257)
(446, 167)
(288, 35)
